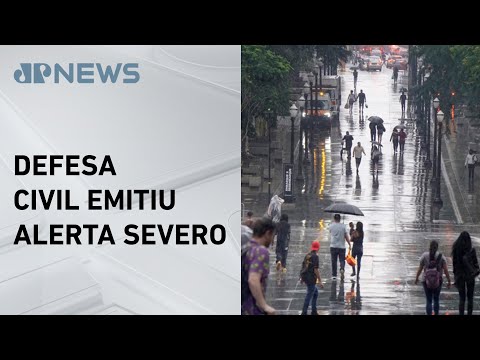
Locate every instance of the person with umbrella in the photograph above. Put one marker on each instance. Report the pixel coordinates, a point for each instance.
(394, 138)
(402, 136)
(373, 130)
(338, 236)
(380, 130)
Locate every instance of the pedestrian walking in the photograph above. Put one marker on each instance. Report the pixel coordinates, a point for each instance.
(338, 236)
(432, 263)
(348, 139)
(403, 100)
(373, 131)
(355, 77)
(394, 138)
(357, 248)
(310, 276)
(283, 240)
(357, 152)
(471, 161)
(380, 130)
(465, 269)
(351, 101)
(255, 269)
(361, 100)
(402, 136)
(395, 75)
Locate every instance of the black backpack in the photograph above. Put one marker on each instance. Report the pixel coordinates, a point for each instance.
(305, 267)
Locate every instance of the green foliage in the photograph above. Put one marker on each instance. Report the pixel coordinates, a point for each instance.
(268, 72)
(454, 68)
(265, 81)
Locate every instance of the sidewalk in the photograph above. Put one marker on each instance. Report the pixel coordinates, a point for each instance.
(454, 153)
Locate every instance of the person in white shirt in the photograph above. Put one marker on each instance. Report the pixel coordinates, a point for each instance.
(470, 161)
(338, 236)
(357, 152)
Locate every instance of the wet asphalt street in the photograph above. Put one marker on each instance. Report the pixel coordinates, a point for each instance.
(399, 220)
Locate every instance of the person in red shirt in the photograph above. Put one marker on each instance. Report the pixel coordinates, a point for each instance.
(402, 136)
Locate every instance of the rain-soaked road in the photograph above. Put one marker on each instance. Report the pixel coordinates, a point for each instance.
(399, 221)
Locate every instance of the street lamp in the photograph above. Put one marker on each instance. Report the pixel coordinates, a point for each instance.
(305, 121)
(320, 64)
(268, 115)
(438, 200)
(436, 104)
(293, 116)
(301, 105)
(315, 73)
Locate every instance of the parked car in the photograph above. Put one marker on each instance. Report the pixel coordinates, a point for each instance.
(374, 63)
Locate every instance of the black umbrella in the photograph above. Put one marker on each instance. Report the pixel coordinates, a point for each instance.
(398, 127)
(376, 143)
(344, 209)
(375, 119)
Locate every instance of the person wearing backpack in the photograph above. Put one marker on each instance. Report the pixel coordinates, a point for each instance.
(465, 269)
(255, 269)
(310, 276)
(432, 263)
(380, 130)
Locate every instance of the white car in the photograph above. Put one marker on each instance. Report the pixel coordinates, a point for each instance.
(374, 63)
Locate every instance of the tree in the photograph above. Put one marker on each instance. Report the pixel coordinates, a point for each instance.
(265, 84)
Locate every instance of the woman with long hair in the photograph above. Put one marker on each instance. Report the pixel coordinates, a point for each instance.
(431, 261)
(464, 254)
(357, 249)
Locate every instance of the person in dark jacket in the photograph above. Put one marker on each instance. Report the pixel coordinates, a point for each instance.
(394, 138)
(463, 252)
(373, 131)
(283, 239)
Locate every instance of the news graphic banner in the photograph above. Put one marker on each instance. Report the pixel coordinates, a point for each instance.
(120, 168)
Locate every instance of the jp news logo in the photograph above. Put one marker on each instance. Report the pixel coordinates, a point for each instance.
(81, 73)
